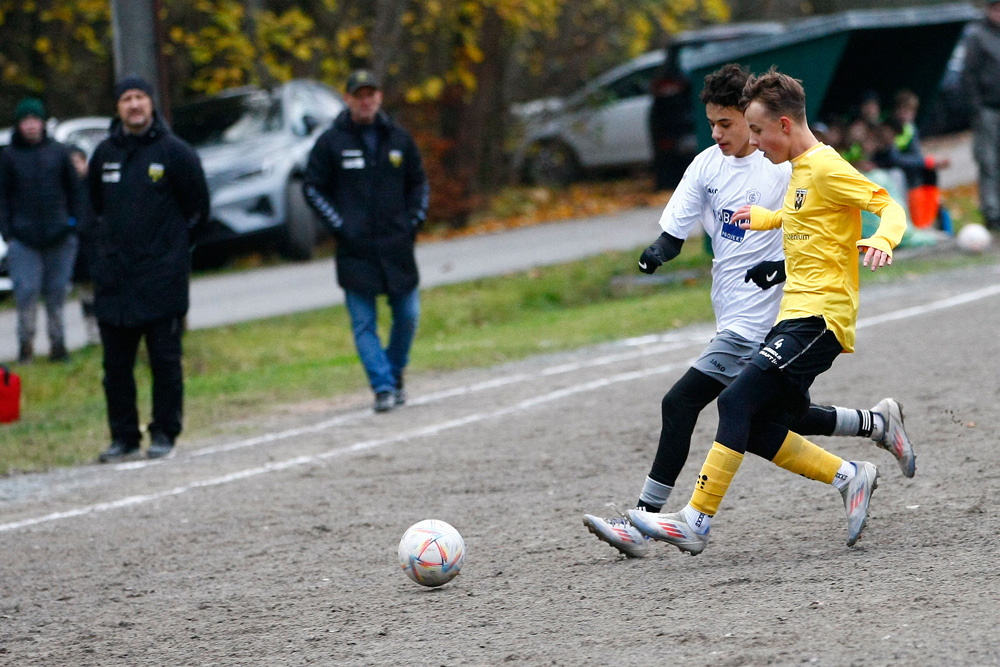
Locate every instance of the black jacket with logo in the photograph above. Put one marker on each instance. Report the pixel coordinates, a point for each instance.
(373, 204)
(147, 193)
(39, 192)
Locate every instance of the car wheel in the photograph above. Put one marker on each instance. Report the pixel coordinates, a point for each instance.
(300, 224)
(551, 163)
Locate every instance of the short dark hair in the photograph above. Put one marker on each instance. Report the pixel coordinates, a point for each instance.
(778, 93)
(724, 86)
(907, 98)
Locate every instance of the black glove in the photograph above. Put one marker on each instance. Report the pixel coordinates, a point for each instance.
(767, 274)
(664, 249)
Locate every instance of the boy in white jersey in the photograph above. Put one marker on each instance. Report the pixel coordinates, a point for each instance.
(820, 220)
(721, 180)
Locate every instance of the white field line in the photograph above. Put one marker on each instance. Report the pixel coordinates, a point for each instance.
(941, 304)
(435, 429)
(665, 345)
(365, 445)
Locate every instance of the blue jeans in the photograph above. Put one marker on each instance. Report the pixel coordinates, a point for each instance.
(383, 366)
(37, 273)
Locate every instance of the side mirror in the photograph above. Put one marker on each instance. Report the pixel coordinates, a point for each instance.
(309, 123)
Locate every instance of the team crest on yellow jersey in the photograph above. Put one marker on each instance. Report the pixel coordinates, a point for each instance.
(156, 171)
(800, 198)
(396, 158)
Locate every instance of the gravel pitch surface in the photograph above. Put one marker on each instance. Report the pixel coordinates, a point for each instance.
(279, 547)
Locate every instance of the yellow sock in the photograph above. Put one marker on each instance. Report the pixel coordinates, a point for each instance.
(804, 458)
(716, 474)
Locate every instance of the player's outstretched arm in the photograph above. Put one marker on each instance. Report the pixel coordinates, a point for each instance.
(664, 249)
(878, 247)
(756, 217)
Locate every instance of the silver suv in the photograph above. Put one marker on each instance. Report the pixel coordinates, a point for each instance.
(254, 145)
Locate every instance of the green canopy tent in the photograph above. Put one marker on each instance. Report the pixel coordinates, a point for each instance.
(841, 56)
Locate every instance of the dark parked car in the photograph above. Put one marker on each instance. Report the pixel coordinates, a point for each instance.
(254, 145)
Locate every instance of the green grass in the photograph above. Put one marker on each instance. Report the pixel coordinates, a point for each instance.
(252, 369)
(245, 372)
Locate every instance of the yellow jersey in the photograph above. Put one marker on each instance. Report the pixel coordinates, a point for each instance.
(821, 222)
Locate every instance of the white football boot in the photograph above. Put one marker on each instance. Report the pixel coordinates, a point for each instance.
(894, 437)
(672, 528)
(619, 533)
(857, 494)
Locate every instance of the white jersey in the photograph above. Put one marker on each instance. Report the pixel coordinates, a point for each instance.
(713, 188)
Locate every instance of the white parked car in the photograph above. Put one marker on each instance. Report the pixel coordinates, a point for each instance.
(254, 145)
(85, 132)
(625, 117)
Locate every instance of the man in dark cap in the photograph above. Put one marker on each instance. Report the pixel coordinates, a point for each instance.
(147, 191)
(366, 181)
(39, 204)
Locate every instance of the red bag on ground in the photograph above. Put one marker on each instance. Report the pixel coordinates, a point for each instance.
(10, 396)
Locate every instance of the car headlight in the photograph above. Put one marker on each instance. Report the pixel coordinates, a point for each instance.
(262, 170)
(240, 174)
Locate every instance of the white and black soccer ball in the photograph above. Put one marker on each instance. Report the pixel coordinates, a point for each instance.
(973, 238)
(431, 552)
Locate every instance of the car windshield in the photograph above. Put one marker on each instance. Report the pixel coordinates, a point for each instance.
(227, 120)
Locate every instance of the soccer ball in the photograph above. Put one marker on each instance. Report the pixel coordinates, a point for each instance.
(431, 552)
(973, 238)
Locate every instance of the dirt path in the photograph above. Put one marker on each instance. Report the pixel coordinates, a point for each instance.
(281, 550)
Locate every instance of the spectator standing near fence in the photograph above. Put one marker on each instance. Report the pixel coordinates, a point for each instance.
(365, 180)
(148, 191)
(39, 202)
(981, 81)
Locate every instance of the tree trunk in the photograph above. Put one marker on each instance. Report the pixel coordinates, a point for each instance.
(386, 35)
(254, 9)
(481, 129)
(137, 44)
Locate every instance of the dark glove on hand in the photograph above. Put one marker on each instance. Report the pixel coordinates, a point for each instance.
(767, 274)
(664, 249)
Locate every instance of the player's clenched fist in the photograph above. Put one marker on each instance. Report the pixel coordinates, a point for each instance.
(664, 249)
(766, 274)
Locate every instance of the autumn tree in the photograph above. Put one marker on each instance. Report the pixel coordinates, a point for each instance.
(451, 67)
(56, 49)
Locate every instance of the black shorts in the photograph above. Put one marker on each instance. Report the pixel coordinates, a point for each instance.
(800, 350)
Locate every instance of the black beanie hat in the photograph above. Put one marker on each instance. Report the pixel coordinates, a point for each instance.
(132, 82)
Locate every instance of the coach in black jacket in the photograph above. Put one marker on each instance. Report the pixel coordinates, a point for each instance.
(366, 181)
(148, 191)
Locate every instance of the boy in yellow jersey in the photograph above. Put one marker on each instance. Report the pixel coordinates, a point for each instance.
(821, 225)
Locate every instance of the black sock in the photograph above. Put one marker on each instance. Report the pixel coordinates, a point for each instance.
(646, 507)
